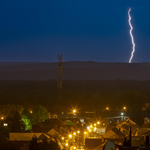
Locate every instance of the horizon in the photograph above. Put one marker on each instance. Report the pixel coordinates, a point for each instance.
(68, 62)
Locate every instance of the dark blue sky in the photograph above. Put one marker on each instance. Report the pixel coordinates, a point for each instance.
(38, 30)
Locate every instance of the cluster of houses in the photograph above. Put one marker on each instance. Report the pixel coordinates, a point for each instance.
(75, 133)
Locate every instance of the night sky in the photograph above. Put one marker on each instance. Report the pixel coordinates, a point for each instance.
(81, 30)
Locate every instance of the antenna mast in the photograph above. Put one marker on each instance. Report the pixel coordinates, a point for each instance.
(59, 71)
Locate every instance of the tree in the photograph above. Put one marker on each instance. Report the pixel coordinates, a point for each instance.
(8, 110)
(16, 123)
(26, 118)
(40, 114)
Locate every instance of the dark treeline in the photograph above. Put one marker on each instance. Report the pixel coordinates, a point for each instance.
(84, 95)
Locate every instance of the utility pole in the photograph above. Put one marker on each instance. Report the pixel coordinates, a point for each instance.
(59, 73)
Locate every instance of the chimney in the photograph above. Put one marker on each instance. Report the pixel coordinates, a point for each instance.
(147, 141)
(130, 136)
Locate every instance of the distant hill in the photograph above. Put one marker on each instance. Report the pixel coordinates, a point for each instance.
(74, 70)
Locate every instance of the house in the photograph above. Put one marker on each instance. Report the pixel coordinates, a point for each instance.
(124, 127)
(22, 136)
(114, 133)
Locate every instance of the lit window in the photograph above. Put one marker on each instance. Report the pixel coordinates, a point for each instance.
(5, 124)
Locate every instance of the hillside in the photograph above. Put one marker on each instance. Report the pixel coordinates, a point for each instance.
(75, 70)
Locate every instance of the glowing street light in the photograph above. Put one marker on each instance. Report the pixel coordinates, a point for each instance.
(70, 135)
(78, 131)
(62, 138)
(66, 144)
(107, 108)
(122, 113)
(2, 118)
(74, 147)
(98, 122)
(91, 126)
(85, 132)
(94, 124)
(124, 108)
(74, 111)
(31, 112)
(74, 133)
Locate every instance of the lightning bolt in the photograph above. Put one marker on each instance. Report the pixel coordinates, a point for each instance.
(132, 39)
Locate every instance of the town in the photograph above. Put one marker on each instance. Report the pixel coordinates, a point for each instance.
(72, 130)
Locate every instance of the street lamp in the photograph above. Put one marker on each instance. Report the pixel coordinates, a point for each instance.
(74, 111)
(107, 108)
(124, 108)
(98, 122)
(85, 136)
(122, 116)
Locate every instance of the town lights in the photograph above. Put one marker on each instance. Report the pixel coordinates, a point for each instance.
(122, 113)
(66, 144)
(85, 132)
(31, 112)
(74, 111)
(89, 130)
(2, 118)
(78, 131)
(98, 122)
(74, 147)
(70, 136)
(107, 108)
(94, 124)
(124, 108)
(91, 126)
(74, 133)
(62, 138)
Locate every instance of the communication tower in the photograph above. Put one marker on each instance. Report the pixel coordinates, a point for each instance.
(59, 71)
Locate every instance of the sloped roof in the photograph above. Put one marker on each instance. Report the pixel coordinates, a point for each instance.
(147, 133)
(118, 132)
(44, 136)
(127, 124)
